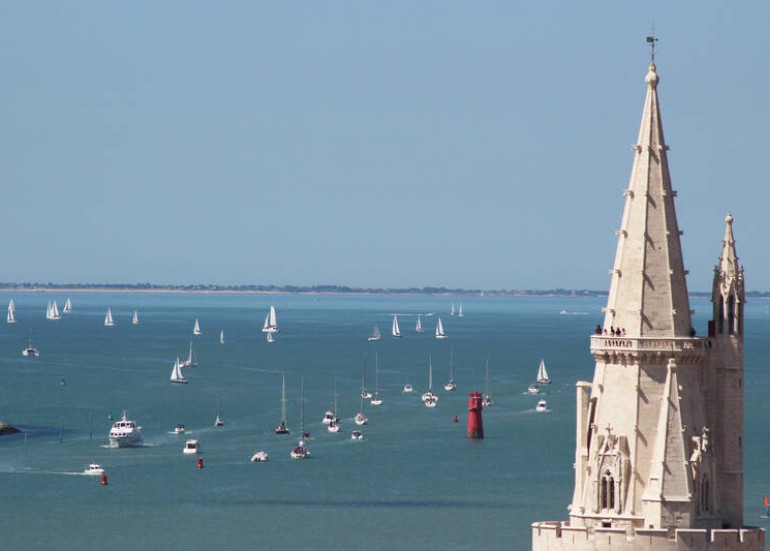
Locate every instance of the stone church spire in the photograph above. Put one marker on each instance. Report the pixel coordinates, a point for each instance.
(648, 293)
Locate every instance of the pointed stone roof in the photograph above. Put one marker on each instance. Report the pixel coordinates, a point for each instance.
(729, 272)
(648, 294)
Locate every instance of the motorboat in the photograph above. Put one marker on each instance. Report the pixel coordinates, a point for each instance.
(125, 433)
(541, 406)
(191, 447)
(179, 429)
(333, 427)
(94, 469)
(533, 389)
(408, 388)
(329, 417)
(260, 457)
(356, 435)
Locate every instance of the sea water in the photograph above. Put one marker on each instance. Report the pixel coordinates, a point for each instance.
(415, 481)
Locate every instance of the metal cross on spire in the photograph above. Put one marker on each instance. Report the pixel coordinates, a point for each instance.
(651, 40)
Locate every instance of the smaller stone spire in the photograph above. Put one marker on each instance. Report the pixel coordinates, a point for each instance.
(728, 294)
(728, 261)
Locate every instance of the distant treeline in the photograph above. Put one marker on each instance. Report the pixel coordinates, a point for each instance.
(331, 289)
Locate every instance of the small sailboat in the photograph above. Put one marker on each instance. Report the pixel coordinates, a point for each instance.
(428, 398)
(271, 321)
(451, 385)
(30, 351)
(376, 399)
(440, 330)
(542, 374)
(176, 373)
(197, 328)
(486, 401)
(330, 416)
(222, 337)
(67, 307)
(135, 318)
(301, 451)
(395, 330)
(282, 428)
(260, 456)
(11, 313)
(460, 311)
(218, 420)
(192, 359)
(52, 312)
(376, 335)
(452, 310)
(364, 392)
(108, 319)
(418, 326)
(360, 418)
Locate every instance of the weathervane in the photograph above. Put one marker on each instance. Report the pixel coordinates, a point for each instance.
(651, 40)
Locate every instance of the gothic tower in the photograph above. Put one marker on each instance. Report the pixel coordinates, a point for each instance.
(658, 458)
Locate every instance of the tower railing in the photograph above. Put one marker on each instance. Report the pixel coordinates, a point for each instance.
(646, 344)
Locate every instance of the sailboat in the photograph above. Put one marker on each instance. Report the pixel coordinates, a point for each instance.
(192, 359)
(301, 451)
(11, 313)
(452, 311)
(360, 418)
(197, 328)
(30, 351)
(542, 374)
(107, 318)
(460, 311)
(364, 392)
(222, 337)
(375, 336)
(333, 425)
(428, 398)
(395, 330)
(67, 307)
(418, 327)
(451, 385)
(376, 399)
(486, 401)
(135, 319)
(271, 322)
(176, 373)
(440, 330)
(282, 428)
(52, 312)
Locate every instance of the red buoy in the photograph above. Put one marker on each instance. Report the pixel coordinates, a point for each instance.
(200, 463)
(456, 420)
(104, 480)
(475, 424)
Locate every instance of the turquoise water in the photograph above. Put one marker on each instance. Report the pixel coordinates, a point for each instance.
(415, 481)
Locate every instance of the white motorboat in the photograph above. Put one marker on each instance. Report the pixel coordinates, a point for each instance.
(356, 435)
(541, 406)
(176, 374)
(135, 318)
(197, 328)
(94, 469)
(542, 374)
(408, 388)
(108, 322)
(282, 428)
(395, 331)
(192, 359)
(260, 457)
(440, 334)
(125, 433)
(271, 322)
(376, 335)
(30, 351)
(533, 389)
(418, 325)
(191, 447)
(451, 385)
(179, 429)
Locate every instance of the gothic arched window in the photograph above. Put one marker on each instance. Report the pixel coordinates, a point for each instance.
(607, 497)
(731, 315)
(705, 488)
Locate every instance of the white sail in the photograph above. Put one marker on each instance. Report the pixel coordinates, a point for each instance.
(108, 319)
(67, 307)
(376, 335)
(451, 385)
(418, 327)
(440, 330)
(395, 330)
(191, 360)
(55, 311)
(135, 319)
(271, 321)
(452, 311)
(12, 306)
(176, 373)
(222, 337)
(11, 313)
(197, 328)
(542, 374)
(460, 311)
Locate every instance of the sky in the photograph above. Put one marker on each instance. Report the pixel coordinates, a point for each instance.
(478, 145)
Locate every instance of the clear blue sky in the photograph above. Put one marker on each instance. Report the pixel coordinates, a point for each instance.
(399, 143)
